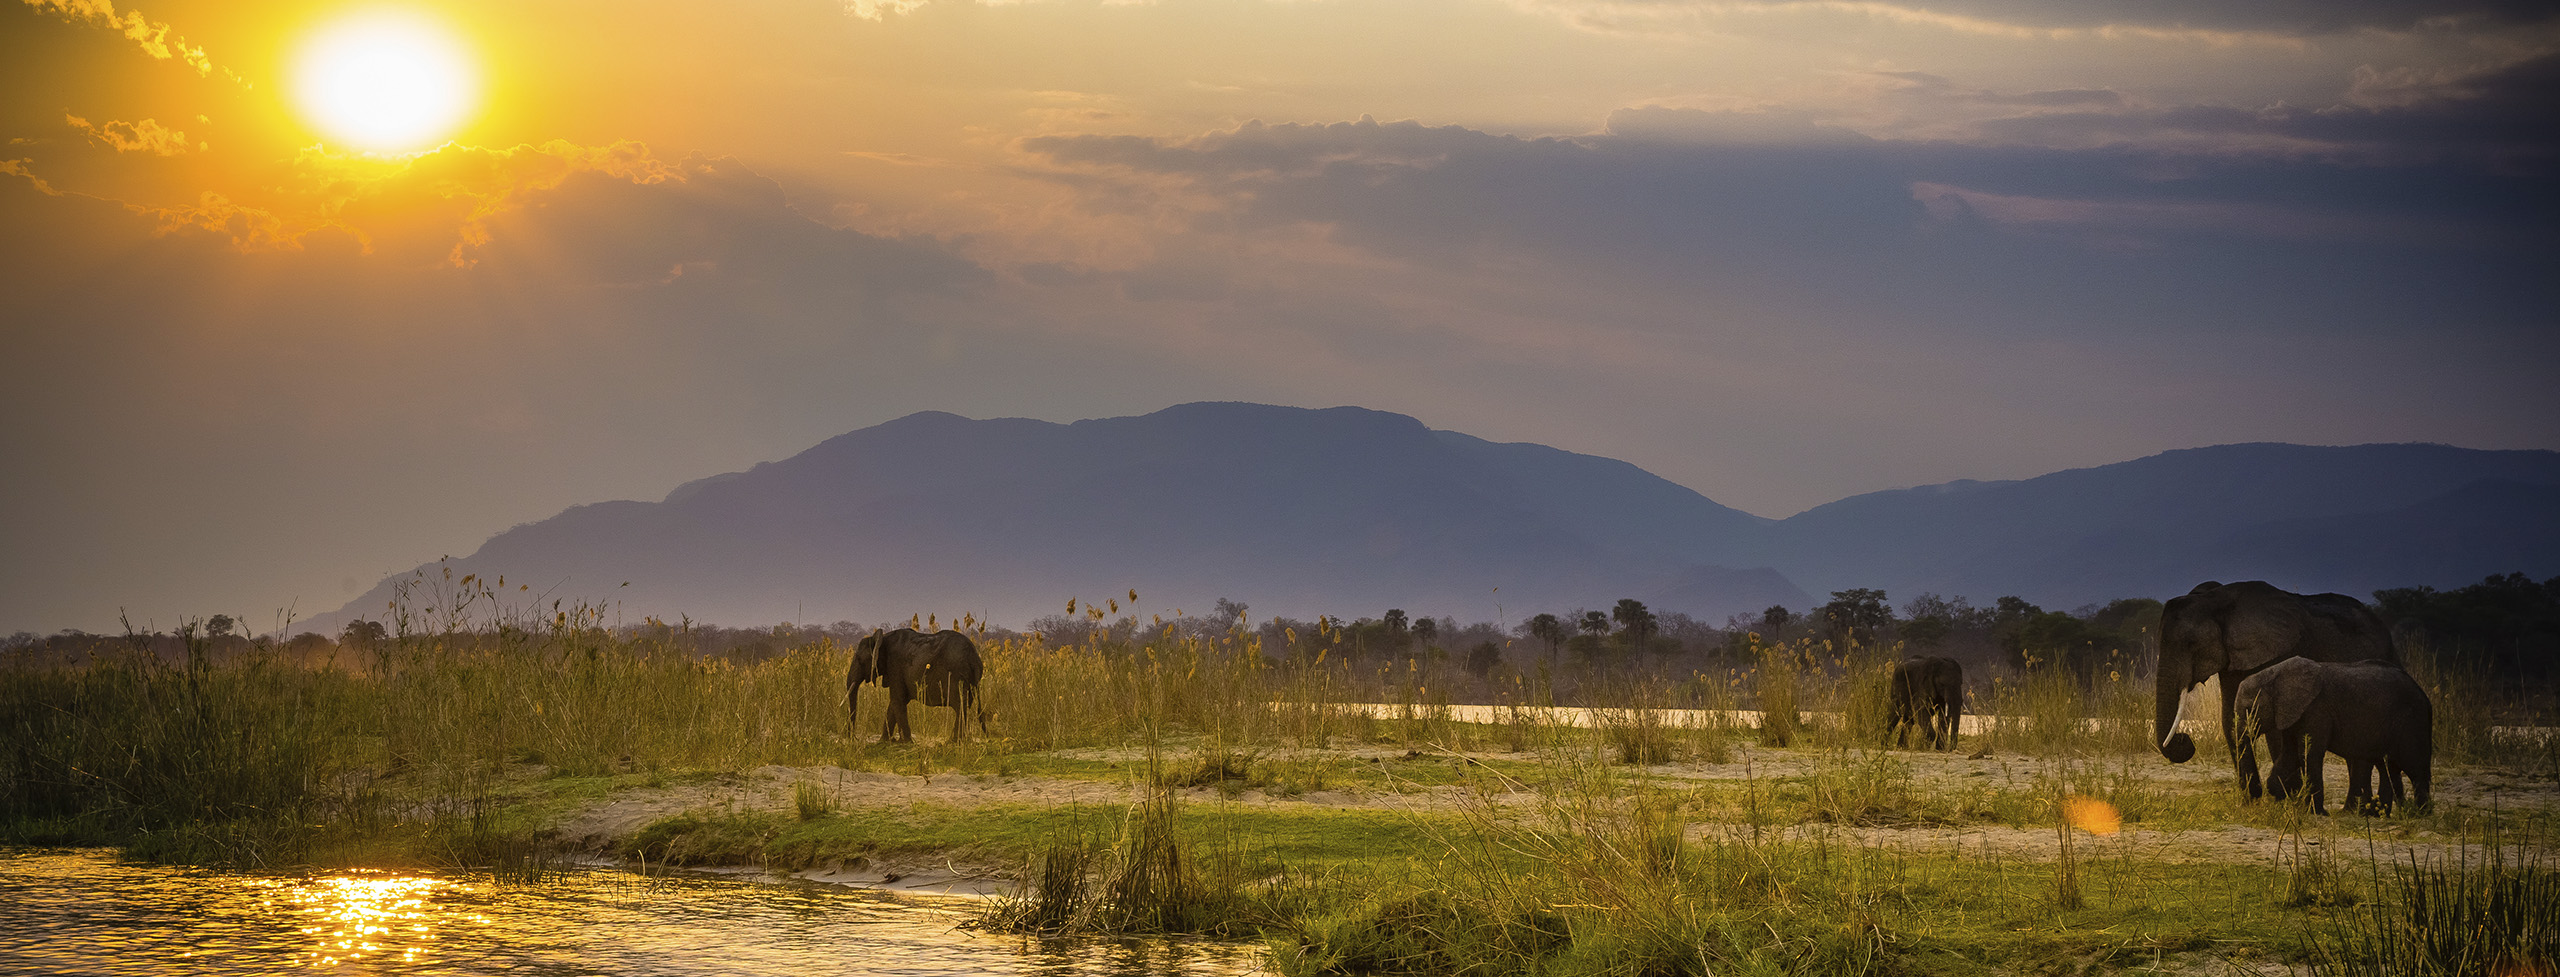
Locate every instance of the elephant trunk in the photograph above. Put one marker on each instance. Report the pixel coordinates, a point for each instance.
(2168, 705)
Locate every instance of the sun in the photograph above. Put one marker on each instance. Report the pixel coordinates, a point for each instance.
(385, 81)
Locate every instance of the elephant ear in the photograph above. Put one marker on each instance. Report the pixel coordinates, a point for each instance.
(2300, 691)
(2294, 685)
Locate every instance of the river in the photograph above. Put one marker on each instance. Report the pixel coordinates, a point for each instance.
(86, 911)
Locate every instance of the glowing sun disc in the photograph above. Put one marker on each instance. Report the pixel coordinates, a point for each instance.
(384, 81)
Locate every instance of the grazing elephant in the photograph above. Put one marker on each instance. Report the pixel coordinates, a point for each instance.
(1927, 696)
(2234, 630)
(944, 665)
(2367, 712)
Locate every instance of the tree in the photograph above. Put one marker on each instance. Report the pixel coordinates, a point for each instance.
(1774, 621)
(1636, 623)
(2056, 638)
(2012, 610)
(1550, 629)
(1959, 614)
(2508, 622)
(1426, 630)
(219, 626)
(1228, 613)
(1857, 614)
(1595, 623)
(1393, 633)
(361, 633)
(1482, 658)
(1926, 632)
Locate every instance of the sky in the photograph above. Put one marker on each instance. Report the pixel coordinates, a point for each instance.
(1779, 251)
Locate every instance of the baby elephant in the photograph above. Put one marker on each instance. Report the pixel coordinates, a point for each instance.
(1928, 696)
(2368, 712)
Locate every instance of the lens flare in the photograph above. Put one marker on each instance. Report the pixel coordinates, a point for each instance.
(2092, 815)
(385, 81)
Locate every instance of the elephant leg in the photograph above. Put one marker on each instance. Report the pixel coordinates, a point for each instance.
(2312, 758)
(895, 728)
(2387, 794)
(2360, 787)
(2246, 768)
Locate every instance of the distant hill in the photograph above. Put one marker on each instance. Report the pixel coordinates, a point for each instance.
(2348, 519)
(1300, 512)
(1351, 511)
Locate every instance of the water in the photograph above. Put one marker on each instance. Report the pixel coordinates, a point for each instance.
(87, 912)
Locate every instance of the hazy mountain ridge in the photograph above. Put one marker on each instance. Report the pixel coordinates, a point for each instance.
(2139, 527)
(1351, 511)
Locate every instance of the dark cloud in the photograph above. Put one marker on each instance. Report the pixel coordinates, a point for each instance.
(2062, 97)
(2032, 239)
(2289, 16)
(720, 219)
(2505, 121)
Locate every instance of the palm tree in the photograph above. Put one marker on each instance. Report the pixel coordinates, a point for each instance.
(1550, 629)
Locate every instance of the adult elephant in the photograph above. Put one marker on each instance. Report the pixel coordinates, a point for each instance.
(2231, 631)
(1928, 696)
(2369, 713)
(943, 665)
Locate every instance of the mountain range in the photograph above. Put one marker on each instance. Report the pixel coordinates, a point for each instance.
(1350, 511)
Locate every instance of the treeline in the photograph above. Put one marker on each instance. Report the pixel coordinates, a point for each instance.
(2506, 626)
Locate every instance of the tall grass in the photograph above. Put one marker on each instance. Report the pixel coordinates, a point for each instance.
(1600, 879)
(1145, 877)
(231, 755)
(2047, 712)
(2493, 909)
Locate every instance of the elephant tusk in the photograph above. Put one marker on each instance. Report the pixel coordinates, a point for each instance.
(2177, 720)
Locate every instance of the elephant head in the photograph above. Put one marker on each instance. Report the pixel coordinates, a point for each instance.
(2276, 699)
(866, 661)
(2233, 630)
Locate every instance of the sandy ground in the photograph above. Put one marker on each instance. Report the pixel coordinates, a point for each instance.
(601, 827)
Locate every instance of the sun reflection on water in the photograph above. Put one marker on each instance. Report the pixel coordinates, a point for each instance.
(354, 915)
(88, 912)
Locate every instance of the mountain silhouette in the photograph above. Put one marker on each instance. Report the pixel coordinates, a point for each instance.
(2310, 519)
(1350, 511)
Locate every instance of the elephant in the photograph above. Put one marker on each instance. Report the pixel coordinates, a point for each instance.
(1927, 696)
(944, 665)
(2231, 631)
(2369, 713)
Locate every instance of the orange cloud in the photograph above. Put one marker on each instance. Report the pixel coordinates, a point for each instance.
(435, 204)
(146, 136)
(18, 168)
(155, 39)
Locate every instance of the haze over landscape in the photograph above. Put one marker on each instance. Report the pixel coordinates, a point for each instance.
(1348, 511)
(1669, 300)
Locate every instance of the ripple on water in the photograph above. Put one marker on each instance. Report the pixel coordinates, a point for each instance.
(88, 912)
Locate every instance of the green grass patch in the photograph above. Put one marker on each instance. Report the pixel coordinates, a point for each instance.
(1306, 840)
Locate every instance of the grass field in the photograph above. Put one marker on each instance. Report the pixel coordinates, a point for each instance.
(1347, 812)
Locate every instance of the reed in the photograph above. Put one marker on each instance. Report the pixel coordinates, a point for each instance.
(2487, 909)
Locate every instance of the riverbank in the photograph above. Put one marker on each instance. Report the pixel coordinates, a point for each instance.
(1348, 814)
